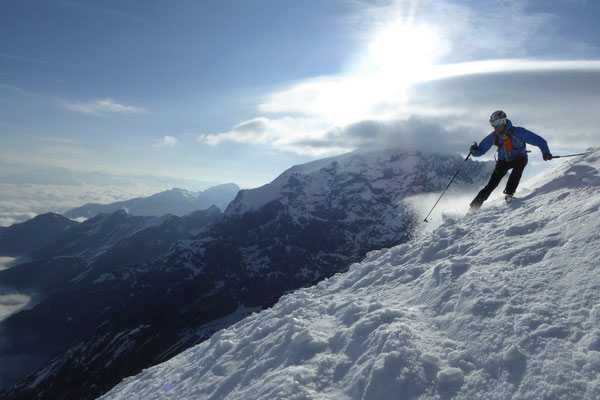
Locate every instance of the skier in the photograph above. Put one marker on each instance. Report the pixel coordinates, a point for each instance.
(512, 154)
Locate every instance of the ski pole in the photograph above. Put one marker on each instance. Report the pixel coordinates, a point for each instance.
(452, 180)
(570, 155)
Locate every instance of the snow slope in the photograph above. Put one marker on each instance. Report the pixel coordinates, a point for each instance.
(498, 304)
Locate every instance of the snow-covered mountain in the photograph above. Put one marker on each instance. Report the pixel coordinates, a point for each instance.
(503, 303)
(84, 311)
(159, 286)
(390, 174)
(175, 201)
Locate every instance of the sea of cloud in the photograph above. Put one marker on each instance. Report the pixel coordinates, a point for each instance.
(20, 202)
(12, 302)
(27, 191)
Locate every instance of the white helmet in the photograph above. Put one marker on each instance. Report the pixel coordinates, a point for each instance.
(498, 116)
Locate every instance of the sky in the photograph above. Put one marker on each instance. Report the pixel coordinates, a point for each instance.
(239, 91)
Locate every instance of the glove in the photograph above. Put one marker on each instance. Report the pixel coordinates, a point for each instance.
(474, 148)
(547, 156)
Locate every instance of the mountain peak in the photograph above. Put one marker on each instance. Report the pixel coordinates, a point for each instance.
(27, 236)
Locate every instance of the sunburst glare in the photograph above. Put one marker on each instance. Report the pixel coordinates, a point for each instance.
(405, 51)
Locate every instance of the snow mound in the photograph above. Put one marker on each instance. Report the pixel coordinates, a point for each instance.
(501, 303)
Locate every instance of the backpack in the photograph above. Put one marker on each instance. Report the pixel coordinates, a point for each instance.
(506, 142)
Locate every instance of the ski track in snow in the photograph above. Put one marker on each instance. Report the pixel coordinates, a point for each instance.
(496, 304)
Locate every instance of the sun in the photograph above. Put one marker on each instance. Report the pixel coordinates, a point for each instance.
(377, 82)
(404, 51)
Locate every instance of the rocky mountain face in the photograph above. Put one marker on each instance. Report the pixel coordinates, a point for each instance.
(121, 293)
(27, 236)
(175, 201)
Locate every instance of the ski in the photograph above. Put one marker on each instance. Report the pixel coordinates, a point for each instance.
(509, 198)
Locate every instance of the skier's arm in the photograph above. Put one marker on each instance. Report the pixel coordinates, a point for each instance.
(536, 140)
(484, 145)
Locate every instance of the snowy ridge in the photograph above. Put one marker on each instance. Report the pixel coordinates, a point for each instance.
(503, 303)
(393, 173)
(175, 201)
(253, 199)
(92, 238)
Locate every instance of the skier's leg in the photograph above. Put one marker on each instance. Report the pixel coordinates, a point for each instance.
(499, 171)
(518, 164)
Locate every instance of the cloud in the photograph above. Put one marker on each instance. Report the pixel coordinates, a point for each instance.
(12, 57)
(20, 202)
(62, 146)
(57, 140)
(558, 104)
(291, 134)
(97, 11)
(12, 302)
(258, 130)
(27, 192)
(442, 101)
(304, 137)
(166, 141)
(6, 262)
(11, 88)
(475, 30)
(102, 107)
(65, 150)
(555, 99)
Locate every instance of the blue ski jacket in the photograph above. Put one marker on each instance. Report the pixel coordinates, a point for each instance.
(513, 145)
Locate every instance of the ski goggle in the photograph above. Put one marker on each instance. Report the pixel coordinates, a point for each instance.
(498, 122)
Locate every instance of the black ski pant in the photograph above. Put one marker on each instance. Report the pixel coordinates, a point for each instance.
(517, 165)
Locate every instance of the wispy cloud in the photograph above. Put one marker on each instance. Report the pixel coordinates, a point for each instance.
(87, 8)
(11, 88)
(13, 57)
(475, 32)
(101, 107)
(65, 149)
(57, 140)
(166, 141)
